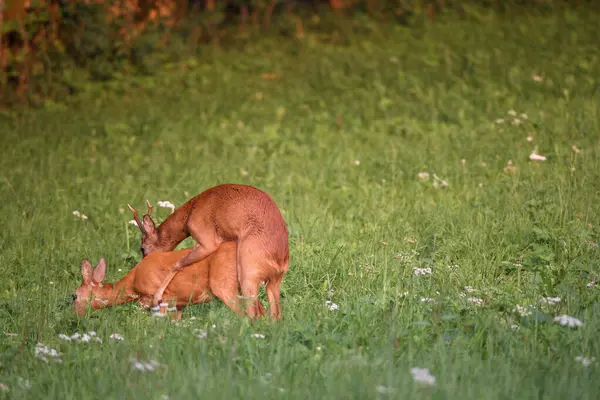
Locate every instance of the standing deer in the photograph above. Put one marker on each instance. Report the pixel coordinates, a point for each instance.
(215, 275)
(239, 213)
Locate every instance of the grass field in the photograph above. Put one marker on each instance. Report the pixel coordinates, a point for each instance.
(340, 134)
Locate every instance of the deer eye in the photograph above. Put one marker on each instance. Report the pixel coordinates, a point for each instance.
(143, 252)
(74, 297)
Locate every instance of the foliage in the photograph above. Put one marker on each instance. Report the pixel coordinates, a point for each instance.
(50, 49)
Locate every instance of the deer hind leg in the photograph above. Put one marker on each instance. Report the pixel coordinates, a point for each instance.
(250, 275)
(273, 292)
(198, 253)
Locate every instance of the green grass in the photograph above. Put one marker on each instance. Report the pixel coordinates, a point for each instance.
(409, 101)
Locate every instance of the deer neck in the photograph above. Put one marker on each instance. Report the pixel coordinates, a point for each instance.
(110, 294)
(174, 229)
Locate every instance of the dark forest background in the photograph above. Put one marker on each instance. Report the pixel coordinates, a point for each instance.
(50, 49)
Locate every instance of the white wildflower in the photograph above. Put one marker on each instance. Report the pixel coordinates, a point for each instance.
(515, 327)
(530, 138)
(536, 157)
(80, 215)
(331, 305)
(469, 289)
(319, 348)
(463, 162)
(3, 387)
(549, 300)
(116, 336)
(512, 113)
(586, 362)
(516, 121)
(357, 162)
(46, 354)
(575, 148)
(201, 334)
(475, 300)
(382, 389)
(522, 311)
(24, 383)
(537, 78)
(422, 375)
(132, 222)
(149, 366)
(421, 271)
(566, 320)
(258, 336)
(590, 284)
(78, 337)
(426, 300)
(403, 294)
(167, 204)
(424, 176)
(524, 116)
(500, 121)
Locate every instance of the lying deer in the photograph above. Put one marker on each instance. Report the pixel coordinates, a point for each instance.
(238, 213)
(215, 275)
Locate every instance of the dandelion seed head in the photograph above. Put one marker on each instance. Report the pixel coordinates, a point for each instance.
(258, 336)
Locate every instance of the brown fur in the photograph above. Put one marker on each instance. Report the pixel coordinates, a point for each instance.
(215, 275)
(222, 213)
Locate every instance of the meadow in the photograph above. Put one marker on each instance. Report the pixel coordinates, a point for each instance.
(441, 186)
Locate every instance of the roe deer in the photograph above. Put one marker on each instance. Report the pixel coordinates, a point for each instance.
(225, 212)
(215, 275)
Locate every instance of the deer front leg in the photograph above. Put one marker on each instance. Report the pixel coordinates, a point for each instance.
(198, 253)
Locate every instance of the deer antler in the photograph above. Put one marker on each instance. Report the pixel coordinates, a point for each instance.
(149, 208)
(136, 218)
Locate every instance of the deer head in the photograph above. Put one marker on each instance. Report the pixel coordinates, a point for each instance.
(90, 286)
(150, 240)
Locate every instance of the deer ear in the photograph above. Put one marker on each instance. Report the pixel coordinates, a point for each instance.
(86, 271)
(100, 271)
(149, 225)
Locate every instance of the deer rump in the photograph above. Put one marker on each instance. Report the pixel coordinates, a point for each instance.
(216, 275)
